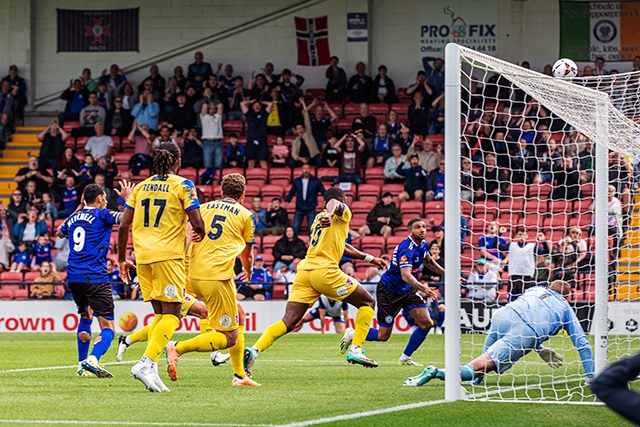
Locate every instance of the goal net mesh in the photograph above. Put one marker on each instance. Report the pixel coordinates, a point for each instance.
(528, 159)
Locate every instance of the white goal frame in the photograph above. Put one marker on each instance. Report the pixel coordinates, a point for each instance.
(453, 389)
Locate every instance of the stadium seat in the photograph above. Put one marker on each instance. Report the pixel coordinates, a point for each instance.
(478, 225)
(252, 190)
(587, 189)
(402, 93)
(509, 220)
(9, 277)
(379, 108)
(370, 192)
(466, 207)
(555, 222)
(20, 293)
(189, 173)
(226, 171)
(535, 206)
(217, 192)
(351, 110)
(412, 208)
(207, 192)
(582, 220)
(280, 176)
(336, 108)
(372, 242)
(557, 206)
(279, 291)
(357, 222)
(433, 207)
(394, 241)
(327, 173)
(533, 221)
(6, 292)
(268, 242)
(517, 190)
(582, 206)
(375, 175)
(344, 125)
(486, 208)
(394, 189)
(270, 191)
(361, 207)
(59, 290)
(361, 275)
(297, 172)
(256, 176)
(318, 93)
(540, 191)
(68, 126)
(30, 276)
(236, 126)
(515, 204)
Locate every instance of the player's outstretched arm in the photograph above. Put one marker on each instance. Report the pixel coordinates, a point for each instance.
(408, 278)
(351, 252)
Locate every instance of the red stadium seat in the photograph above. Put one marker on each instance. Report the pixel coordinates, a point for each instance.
(59, 290)
(361, 207)
(582, 205)
(235, 126)
(268, 242)
(377, 173)
(30, 276)
(9, 277)
(327, 173)
(486, 208)
(587, 189)
(357, 222)
(582, 220)
(351, 110)
(207, 192)
(297, 172)
(344, 124)
(540, 191)
(369, 190)
(557, 206)
(20, 293)
(270, 191)
(379, 108)
(517, 190)
(70, 125)
(402, 93)
(6, 292)
(535, 206)
(413, 208)
(394, 241)
(189, 173)
(252, 190)
(336, 108)
(433, 207)
(280, 176)
(555, 222)
(256, 176)
(318, 93)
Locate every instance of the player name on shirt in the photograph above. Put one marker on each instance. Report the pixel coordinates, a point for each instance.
(81, 216)
(225, 206)
(164, 188)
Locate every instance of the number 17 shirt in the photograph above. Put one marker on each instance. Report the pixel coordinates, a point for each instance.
(159, 217)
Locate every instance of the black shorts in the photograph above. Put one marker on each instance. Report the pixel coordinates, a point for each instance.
(94, 295)
(255, 151)
(376, 228)
(250, 293)
(390, 304)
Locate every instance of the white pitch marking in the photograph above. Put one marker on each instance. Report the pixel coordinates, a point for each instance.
(129, 423)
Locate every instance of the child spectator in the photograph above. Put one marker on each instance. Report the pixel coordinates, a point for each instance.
(47, 277)
(482, 283)
(69, 198)
(117, 287)
(256, 289)
(49, 207)
(21, 260)
(86, 168)
(234, 157)
(330, 155)
(42, 251)
(280, 152)
(393, 126)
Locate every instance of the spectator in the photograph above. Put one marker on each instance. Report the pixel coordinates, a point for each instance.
(260, 282)
(212, 133)
(42, 251)
(29, 227)
(393, 163)
(166, 135)
(143, 151)
(114, 78)
(236, 97)
(522, 161)
(108, 168)
(214, 90)
(99, 145)
(129, 95)
(119, 119)
(416, 179)
(6, 246)
(70, 198)
(598, 67)
(491, 182)
(435, 183)
(379, 147)
(382, 88)
(48, 276)
(77, 97)
(169, 99)
(276, 219)
(280, 153)
(566, 181)
(116, 285)
(359, 86)
(159, 82)
(433, 278)
(285, 275)
(405, 139)
(199, 71)
(365, 122)
(49, 208)
(466, 180)
(259, 213)
(350, 159)
(18, 87)
(304, 149)
(147, 111)
(34, 172)
(181, 80)
(53, 139)
(257, 86)
(435, 74)
(482, 284)
(587, 162)
(585, 258)
(522, 261)
(257, 147)
(548, 163)
(6, 114)
(319, 123)
(191, 146)
(21, 260)
(234, 157)
(382, 218)
(336, 81)
(182, 116)
(288, 249)
(86, 169)
(227, 78)
(111, 195)
(17, 208)
(564, 265)
(418, 115)
(62, 255)
(103, 96)
(422, 85)
(620, 173)
(305, 188)
(393, 125)
(90, 115)
(86, 80)
(490, 244)
(271, 78)
(614, 222)
(437, 116)
(30, 195)
(288, 90)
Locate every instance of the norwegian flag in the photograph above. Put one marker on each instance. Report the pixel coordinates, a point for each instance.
(312, 37)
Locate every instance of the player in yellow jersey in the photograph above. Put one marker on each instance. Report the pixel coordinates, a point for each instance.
(158, 209)
(229, 233)
(319, 273)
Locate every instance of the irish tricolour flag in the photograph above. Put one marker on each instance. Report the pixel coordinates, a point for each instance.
(592, 29)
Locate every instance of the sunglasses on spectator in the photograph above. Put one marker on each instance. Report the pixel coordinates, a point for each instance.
(17, 194)
(118, 101)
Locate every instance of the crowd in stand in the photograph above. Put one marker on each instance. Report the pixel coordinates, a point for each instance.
(219, 122)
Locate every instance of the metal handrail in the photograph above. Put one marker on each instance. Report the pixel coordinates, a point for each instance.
(199, 43)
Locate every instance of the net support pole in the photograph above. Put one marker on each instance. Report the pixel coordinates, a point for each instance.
(452, 388)
(599, 323)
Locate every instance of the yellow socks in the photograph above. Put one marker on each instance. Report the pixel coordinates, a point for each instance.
(143, 334)
(274, 332)
(237, 354)
(364, 316)
(160, 335)
(209, 341)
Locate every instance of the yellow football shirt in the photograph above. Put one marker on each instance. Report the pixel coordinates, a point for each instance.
(229, 227)
(326, 245)
(159, 217)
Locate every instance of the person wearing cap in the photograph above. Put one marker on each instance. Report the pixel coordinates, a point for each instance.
(382, 218)
(416, 179)
(482, 283)
(260, 282)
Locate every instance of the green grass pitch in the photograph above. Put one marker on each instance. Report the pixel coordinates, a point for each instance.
(305, 381)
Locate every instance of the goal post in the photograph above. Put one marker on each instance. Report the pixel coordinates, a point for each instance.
(571, 111)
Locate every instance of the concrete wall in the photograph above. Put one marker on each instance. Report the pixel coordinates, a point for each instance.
(524, 26)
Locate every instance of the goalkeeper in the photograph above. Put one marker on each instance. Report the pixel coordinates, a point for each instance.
(519, 327)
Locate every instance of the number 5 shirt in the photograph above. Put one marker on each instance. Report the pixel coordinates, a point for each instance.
(89, 234)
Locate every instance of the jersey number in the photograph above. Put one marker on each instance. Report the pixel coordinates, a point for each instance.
(216, 227)
(78, 239)
(146, 204)
(315, 236)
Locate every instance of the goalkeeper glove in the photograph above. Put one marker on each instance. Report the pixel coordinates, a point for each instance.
(552, 358)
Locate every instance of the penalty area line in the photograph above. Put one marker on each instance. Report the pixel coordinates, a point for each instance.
(129, 423)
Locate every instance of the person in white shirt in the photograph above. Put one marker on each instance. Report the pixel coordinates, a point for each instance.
(212, 133)
(100, 145)
(522, 263)
(482, 283)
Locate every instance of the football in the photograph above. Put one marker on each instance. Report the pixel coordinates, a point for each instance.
(564, 68)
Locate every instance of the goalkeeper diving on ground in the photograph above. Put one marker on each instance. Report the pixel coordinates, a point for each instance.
(518, 328)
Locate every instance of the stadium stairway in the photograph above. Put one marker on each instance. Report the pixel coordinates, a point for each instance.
(628, 279)
(15, 156)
